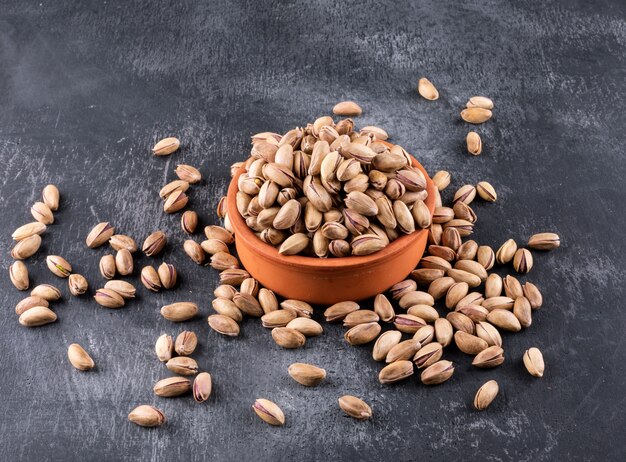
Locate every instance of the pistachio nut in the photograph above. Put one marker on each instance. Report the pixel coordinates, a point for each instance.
(532, 293)
(493, 286)
(154, 243)
(269, 412)
(278, 318)
(188, 173)
(339, 311)
(78, 284)
(355, 407)
(150, 278)
(523, 311)
(503, 303)
(472, 267)
(294, 244)
(475, 312)
(37, 316)
(288, 338)
(421, 214)
(124, 262)
(443, 331)
(180, 311)
(223, 325)
(385, 343)
(27, 247)
(506, 252)
(307, 327)
(172, 387)
(182, 365)
(164, 348)
(79, 358)
(360, 317)
(167, 275)
(416, 298)
(480, 101)
(28, 230)
(202, 387)
(462, 211)
(544, 241)
(465, 194)
(166, 146)
(424, 276)
(441, 179)
(42, 213)
(99, 235)
(366, 244)
(227, 307)
(147, 416)
(485, 395)
(403, 351)
(347, 108)
(189, 221)
(504, 319)
(47, 292)
(186, 343)
(425, 334)
(121, 241)
(107, 266)
(108, 298)
(523, 261)
(362, 333)
(383, 308)
(196, 253)
(401, 288)
(488, 333)
(408, 324)
(439, 287)
(476, 115)
(426, 312)
(248, 305)
(176, 201)
(437, 373)
(486, 191)
(395, 372)
(468, 251)
(455, 293)
(267, 300)
(125, 289)
(428, 355)
(18, 272)
(533, 361)
(30, 302)
(474, 143)
(233, 277)
(225, 291)
(306, 374)
(489, 357)
(468, 343)
(427, 90)
(461, 322)
(51, 197)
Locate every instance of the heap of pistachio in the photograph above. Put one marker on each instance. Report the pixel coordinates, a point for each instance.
(328, 190)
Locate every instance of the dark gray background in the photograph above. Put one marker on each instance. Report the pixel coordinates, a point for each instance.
(86, 88)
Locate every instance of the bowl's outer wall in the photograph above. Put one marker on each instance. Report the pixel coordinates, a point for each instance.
(326, 282)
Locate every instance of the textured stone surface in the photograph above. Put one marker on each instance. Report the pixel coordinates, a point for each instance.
(86, 88)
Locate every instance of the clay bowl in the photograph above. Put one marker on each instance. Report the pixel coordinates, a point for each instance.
(326, 281)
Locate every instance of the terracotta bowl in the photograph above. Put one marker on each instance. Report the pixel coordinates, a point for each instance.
(326, 281)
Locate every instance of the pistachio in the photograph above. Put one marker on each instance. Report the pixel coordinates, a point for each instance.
(532, 293)
(437, 373)
(408, 324)
(223, 325)
(468, 343)
(347, 108)
(147, 416)
(79, 358)
(19, 275)
(248, 305)
(202, 386)
(294, 244)
(166, 146)
(441, 179)
(362, 333)
(196, 253)
(424, 276)
(78, 284)
(395, 372)
(339, 311)
(455, 293)
(42, 213)
(426, 312)
(154, 243)
(269, 412)
(474, 143)
(443, 331)
(489, 357)
(188, 173)
(428, 355)
(463, 211)
(544, 241)
(512, 287)
(250, 286)
(288, 338)
(355, 407)
(287, 215)
(51, 197)
(30, 302)
(124, 262)
(403, 351)
(182, 365)
(383, 308)
(175, 201)
(459, 275)
(221, 208)
(506, 252)
(480, 101)
(28, 230)
(504, 320)
(523, 261)
(398, 290)
(164, 348)
(307, 327)
(485, 395)
(367, 244)
(503, 303)
(47, 292)
(172, 387)
(227, 307)
(27, 247)
(439, 287)
(213, 246)
(385, 343)
(360, 317)
(451, 237)
(108, 298)
(277, 318)
(100, 234)
(421, 215)
(472, 267)
(37, 316)
(476, 115)
(473, 298)
(465, 194)
(225, 291)
(488, 333)
(486, 191)
(150, 278)
(125, 289)
(533, 361)
(167, 275)
(107, 266)
(475, 312)
(427, 89)
(189, 221)
(306, 374)
(461, 322)
(267, 300)
(233, 276)
(416, 298)
(180, 311)
(486, 257)
(186, 343)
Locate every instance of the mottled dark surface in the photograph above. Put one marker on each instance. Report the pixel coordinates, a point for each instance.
(86, 88)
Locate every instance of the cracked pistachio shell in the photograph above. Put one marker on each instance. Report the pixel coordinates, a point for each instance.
(227, 307)
(188, 173)
(28, 230)
(154, 243)
(383, 308)
(362, 333)
(355, 407)
(294, 244)
(121, 241)
(47, 292)
(182, 365)
(172, 386)
(468, 343)
(441, 179)
(523, 261)
(385, 343)
(533, 361)
(504, 319)
(147, 416)
(189, 221)
(485, 395)
(395, 372)
(124, 288)
(223, 325)
(186, 343)
(443, 331)
(79, 358)
(175, 202)
(532, 293)
(42, 213)
(428, 355)
(29, 302)
(166, 146)
(488, 333)
(196, 253)
(339, 311)
(465, 194)
(167, 275)
(427, 90)
(18, 272)
(108, 298)
(486, 191)
(269, 412)
(99, 235)
(476, 115)
(202, 387)
(437, 373)
(506, 252)
(490, 357)
(77, 283)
